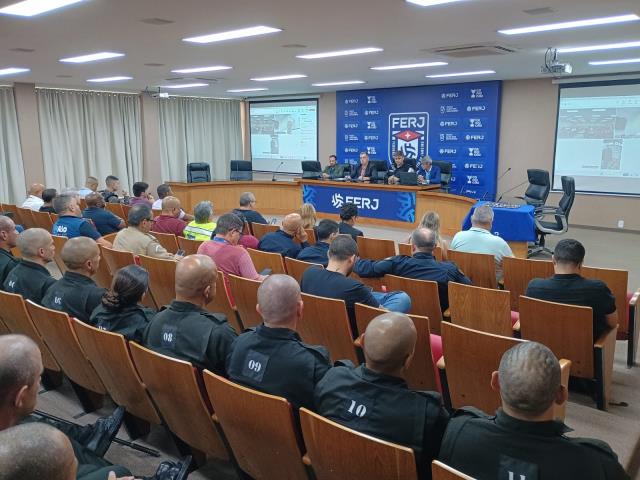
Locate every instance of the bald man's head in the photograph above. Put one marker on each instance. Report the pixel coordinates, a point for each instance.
(81, 253)
(36, 451)
(8, 232)
(196, 279)
(423, 240)
(35, 243)
(36, 189)
(389, 342)
(292, 223)
(279, 300)
(20, 366)
(170, 206)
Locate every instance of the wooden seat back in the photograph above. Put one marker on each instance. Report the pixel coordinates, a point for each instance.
(167, 240)
(42, 220)
(407, 249)
(14, 315)
(174, 387)
(11, 208)
(59, 242)
(82, 203)
(518, 272)
(57, 333)
(375, 248)
(296, 268)
(162, 274)
(424, 298)
(109, 354)
(245, 296)
(338, 453)
(54, 217)
(261, 229)
(189, 246)
(483, 309)
(222, 303)
(27, 218)
(440, 471)
(617, 281)
(117, 210)
(262, 260)
(117, 259)
(103, 277)
(479, 267)
(110, 237)
(420, 375)
(325, 322)
(311, 236)
(259, 428)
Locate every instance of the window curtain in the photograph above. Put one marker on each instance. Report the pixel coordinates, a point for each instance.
(199, 130)
(89, 133)
(12, 180)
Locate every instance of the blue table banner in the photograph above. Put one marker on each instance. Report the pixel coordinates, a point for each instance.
(510, 224)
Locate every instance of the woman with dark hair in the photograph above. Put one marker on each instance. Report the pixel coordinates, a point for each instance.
(120, 311)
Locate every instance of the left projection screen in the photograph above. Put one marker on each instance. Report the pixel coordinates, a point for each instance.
(283, 134)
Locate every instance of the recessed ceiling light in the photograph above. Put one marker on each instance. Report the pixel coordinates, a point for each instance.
(573, 24)
(430, 3)
(13, 70)
(462, 74)
(595, 48)
(31, 8)
(202, 69)
(241, 90)
(187, 85)
(340, 53)
(109, 79)
(410, 65)
(332, 84)
(93, 57)
(232, 34)
(278, 77)
(616, 62)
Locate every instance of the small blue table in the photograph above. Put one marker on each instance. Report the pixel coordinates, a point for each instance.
(511, 224)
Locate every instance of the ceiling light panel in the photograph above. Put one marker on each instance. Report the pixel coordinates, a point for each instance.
(245, 90)
(336, 84)
(92, 57)
(109, 79)
(597, 48)
(13, 70)
(410, 65)
(431, 3)
(462, 74)
(278, 77)
(615, 62)
(570, 25)
(31, 8)
(233, 34)
(186, 85)
(213, 68)
(340, 53)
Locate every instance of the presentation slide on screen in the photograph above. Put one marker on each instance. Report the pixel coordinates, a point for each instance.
(283, 134)
(598, 138)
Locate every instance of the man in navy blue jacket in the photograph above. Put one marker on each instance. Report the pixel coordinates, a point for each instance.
(283, 241)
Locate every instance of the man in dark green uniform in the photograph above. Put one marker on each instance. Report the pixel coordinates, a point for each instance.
(333, 170)
(523, 441)
(8, 239)
(76, 293)
(187, 331)
(30, 278)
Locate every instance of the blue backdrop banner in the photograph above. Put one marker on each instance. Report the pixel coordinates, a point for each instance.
(373, 203)
(458, 123)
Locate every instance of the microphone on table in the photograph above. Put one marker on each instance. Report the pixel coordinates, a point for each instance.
(510, 190)
(273, 178)
(503, 174)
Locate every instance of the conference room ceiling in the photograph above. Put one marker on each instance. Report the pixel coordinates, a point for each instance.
(150, 33)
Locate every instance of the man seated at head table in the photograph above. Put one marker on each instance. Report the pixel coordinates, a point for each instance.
(333, 170)
(136, 237)
(400, 165)
(168, 221)
(105, 221)
(8, 240)
(70, 223)
(427, 171)
(326, 231)
(163, 191)
(282, 241)
(374, 398)
(365, 171)
(523, 440)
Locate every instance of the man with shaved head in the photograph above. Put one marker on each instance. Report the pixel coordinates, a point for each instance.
(70, 223)
(34, 200)
(76, 293)
(8, 240)
(185, 329)
(272, 358)
(30, 278)
(523, 440)
(283, 241)
(104, 220)
(374, 398)
(169, 220)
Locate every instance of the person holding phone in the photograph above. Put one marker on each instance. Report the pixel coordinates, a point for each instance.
(284, 240)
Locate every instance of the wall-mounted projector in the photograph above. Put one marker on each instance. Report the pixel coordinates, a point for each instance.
(553, 66)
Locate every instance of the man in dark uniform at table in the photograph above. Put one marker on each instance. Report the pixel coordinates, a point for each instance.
(326, 231)
(8, 240)
(523, 440)
(365, 171)
(399, 165)
(187, 331)
(374, 398)
(272, 358)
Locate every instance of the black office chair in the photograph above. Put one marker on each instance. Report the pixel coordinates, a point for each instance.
(383, 167)
(311, 170)
(445, 173)
(561, 214)
(198, 172)
(241, 170)
(538, 189)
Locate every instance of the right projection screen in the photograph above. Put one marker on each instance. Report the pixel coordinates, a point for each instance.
(598, 138)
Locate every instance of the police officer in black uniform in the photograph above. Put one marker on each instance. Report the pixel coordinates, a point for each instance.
(272, 358)
(76, 293)
(399, 165)
(374, 398)
(8, 239)
(523, 441)
(30, 278)
(187, 331)
(422, 265)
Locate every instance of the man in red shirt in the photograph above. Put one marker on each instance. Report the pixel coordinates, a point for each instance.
(168, 221)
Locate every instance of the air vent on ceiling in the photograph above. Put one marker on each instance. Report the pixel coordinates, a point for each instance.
(539, 11)
(64, 76)
(294, 45)
(152, 64)
(467, 51)
(156, 21)
(22, 50)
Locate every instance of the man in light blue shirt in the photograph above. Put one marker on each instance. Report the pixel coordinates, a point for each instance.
(90, 186)
(479, 239)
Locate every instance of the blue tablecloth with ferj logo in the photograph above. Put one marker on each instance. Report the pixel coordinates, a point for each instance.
(399, 206)
(511, 224)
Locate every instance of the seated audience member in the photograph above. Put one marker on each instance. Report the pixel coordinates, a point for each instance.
(247, 210)
(70, 224)
(90, 186)
(523, 440)
(163, 191)
(47, 197)
(374, 398)
(140, 195)
(168, 221)
(30, 278)
(76, 293)
(120, 310)
(8, 240)
(334, 282)
(431, 220)
(105, 221)
(224, 250)
(282, 241)
(113, 194)
(568, 286)
(326, 231)
(427, 171)
(399, 165)
(203, 226)
(291, 368)
(479, 239)
(308, 214)
(365, 171)
(421, 266)
(20, 370)
(187, 331)
(333, 170)
(34, 200)
(136, 237)
(348, 216)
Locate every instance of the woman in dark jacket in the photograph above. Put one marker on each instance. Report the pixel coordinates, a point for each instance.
(120, 311)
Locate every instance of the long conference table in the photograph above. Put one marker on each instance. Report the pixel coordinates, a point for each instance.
(394, 206)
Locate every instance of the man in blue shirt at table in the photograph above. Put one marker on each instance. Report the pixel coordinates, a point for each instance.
(326, 231)
(70, 224)
(427, 171)
(105, 221)
(282, 241)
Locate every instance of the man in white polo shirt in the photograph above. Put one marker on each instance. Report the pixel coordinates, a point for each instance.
(479, 239)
